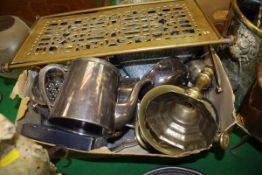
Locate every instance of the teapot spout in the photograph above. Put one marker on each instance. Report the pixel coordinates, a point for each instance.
(128, 92)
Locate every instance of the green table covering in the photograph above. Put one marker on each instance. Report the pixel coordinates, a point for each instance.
(246, 159)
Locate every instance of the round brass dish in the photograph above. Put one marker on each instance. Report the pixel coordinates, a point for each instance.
(158, 133)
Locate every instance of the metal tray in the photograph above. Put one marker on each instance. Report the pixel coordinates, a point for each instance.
(116, 30)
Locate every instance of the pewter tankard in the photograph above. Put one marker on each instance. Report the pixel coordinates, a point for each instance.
(88, 96)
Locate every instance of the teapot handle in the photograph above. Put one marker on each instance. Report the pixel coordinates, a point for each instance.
(42, 80)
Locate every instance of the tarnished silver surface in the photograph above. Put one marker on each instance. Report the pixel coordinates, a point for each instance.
(248, 43)
(194, 68)
(166, 71)
(88, 96)
(246, 51)
(125, 109)
(50, 81)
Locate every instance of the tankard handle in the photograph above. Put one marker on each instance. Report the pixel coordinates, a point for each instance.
(51, 68)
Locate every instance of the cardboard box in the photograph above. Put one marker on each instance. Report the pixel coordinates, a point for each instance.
(223, 103)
